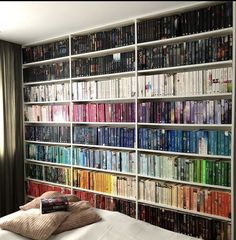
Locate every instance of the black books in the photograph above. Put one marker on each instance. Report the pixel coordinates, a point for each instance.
(48, 205)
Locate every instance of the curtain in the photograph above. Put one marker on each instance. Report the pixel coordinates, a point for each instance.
(11, 129)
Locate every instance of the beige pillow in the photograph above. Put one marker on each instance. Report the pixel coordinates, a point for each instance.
(81, 215)
(35, 203)
(32, 224)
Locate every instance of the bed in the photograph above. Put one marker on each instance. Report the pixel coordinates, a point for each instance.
(114, 226)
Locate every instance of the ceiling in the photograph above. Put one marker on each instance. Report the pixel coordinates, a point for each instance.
(27, 22)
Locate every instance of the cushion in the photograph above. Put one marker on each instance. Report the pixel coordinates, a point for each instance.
(32, 224)
(35, 203)
(81, 215)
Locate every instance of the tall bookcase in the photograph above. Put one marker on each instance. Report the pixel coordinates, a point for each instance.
(138, 116)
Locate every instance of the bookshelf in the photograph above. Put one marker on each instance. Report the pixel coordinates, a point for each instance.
(157, 134)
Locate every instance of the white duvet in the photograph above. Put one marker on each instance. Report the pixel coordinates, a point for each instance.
(114, 226)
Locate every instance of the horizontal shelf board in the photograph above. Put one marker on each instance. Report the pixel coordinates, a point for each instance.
(185, 182)
(191, 37)
(49, 183)
(47, 102)
(184, 154)
(48, 143)
(104, 170)
(127, 124)
(192, 126)
(47, 163)
(106, 100)
(207, 215)
(47, 82)
(103, 147)
(186, 97)
(185, 68)
(105, 76)
(102, 193)
(104, 52)
(47, 122)
(45, 61)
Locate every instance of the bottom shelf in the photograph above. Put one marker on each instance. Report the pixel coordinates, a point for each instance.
(202, 227)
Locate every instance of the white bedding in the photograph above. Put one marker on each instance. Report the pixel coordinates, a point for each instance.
(114, 226)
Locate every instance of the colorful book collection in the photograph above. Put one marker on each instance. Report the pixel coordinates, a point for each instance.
(59, 134)
(48, 92)
(214, 172)
(186, 197)
(196, 21)
(46, 51)
(106, 136)
(118, 62)
(197, 141)
(34, 171)
(211, 81)
(45, 72)
(106, 183)
(53, 154)
(116, 37)
(112, 160)
(36, 189)
(49, 113)
(203, 228)
(104, 112)
(211, 49)
(124, 87)
(187, 112)
(57, 175)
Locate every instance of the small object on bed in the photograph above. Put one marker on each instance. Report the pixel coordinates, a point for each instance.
(48, 205)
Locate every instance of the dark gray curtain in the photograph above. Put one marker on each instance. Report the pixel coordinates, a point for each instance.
(11, 129)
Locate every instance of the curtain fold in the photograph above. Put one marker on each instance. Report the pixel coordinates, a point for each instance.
(11, 129)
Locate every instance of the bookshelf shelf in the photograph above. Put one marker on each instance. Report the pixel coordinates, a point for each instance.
(185, 182)
(186, 211)
(104, 76)
(185, 154)
(47, 82)
(219, 32)
(45, 61)
(151, 91)
(105, 194)
(104, 170)
(104, 52)
(219, 64)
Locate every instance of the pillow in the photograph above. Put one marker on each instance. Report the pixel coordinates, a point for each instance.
(78, 206)
(80, 216)
(32, 224)
(35, 203)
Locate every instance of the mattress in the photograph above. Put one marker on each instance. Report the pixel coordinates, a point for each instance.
(114, 226)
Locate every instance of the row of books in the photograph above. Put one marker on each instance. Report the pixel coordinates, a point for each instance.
(112, 160)
(49, 113)
(47, 92)
(104, 182)
(57, 175)
(34, 171)
(52, 71)
(190, 22)
(214, 172)
(212, 49)
(46, 51)
(203, 228)
(116, 37)
(59, 134)
(36, 189)
(124, 87)
(209, 142)
(118, 62)
(186, 197)
(196, 112)
(48, 153)
(106, 136)
(210, 81)
(104, 112)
